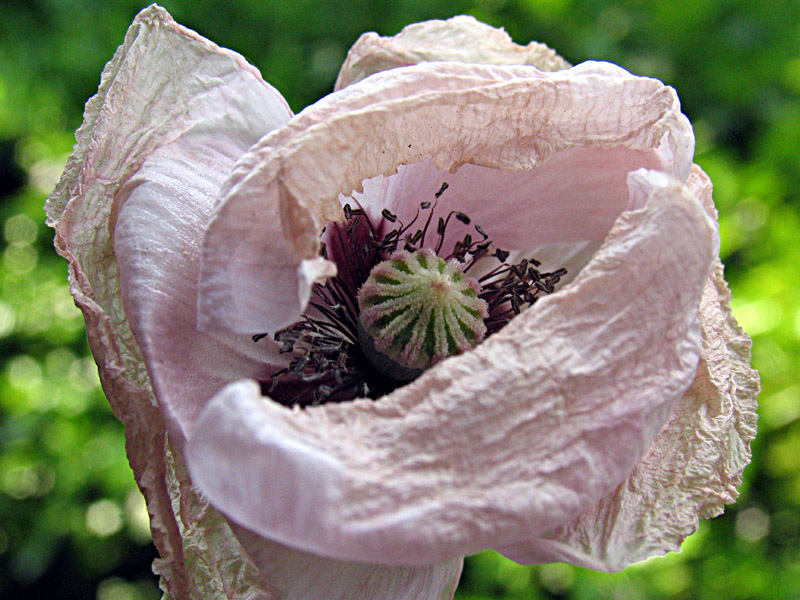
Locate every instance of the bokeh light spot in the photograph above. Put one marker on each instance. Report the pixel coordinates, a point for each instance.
(24, 373)
(7, 319)
(752, 524)
(557, 577)
(20, 230)
(104, 518)
(20, 259)
(137, 517)
(115, 588)
(20, 482)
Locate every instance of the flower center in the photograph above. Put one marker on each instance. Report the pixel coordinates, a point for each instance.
(402, 300)
(417, 309)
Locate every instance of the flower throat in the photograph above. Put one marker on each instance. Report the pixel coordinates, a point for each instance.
(398, 306)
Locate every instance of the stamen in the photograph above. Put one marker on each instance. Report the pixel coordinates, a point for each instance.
(390, 313)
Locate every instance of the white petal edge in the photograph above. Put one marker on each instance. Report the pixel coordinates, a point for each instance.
(695, 465)
(501, 118)
(492, 447)
(460, 39)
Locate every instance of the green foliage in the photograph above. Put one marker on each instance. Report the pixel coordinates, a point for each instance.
(71, 520)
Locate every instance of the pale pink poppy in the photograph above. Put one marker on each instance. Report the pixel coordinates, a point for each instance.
(596, 427)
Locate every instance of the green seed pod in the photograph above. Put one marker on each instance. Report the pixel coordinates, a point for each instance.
(417, 309)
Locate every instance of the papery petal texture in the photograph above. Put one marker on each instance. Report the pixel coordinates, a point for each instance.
(596, 427)
(305, 576)
(493, 446)
(173, 114)
(140, 107)
(460, 39)
(695, 465)
(160, 211)
(493, 126)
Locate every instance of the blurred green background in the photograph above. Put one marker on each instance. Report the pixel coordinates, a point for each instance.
(72, 524)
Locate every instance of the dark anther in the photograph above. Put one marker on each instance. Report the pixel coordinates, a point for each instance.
(259, 336)
(518, 270)
(327, 363)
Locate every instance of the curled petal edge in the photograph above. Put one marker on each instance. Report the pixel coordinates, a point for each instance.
(80, 210)
(459, 39)
(694, 466)
(200, 555)
(399, 481)
(289, 185)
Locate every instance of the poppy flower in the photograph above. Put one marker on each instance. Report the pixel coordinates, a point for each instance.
(247, 275)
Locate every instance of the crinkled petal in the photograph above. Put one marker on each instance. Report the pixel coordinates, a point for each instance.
(460, 39)
(163, 209)
(265, 570)
(305, 576)
(215, 107)
(142, 104)
(695, 465)
(217, 566)
(540, 196)
(486, 126)
(492, 447)
(163, 193)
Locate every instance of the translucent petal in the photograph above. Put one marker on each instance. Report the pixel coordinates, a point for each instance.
(695, 465)
(491, 127)
(494, 446)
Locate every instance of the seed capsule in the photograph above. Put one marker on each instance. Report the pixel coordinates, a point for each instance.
(417, 309)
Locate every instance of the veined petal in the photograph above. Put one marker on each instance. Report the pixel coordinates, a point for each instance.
(303, 576)
(162, 206)
(549, 203)
(253, 568)
(499, 125)
(162, 195)
(460, 39)
(695, 464)
(163, 209)
(492, 447)
(217, 566)
(148, 97)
